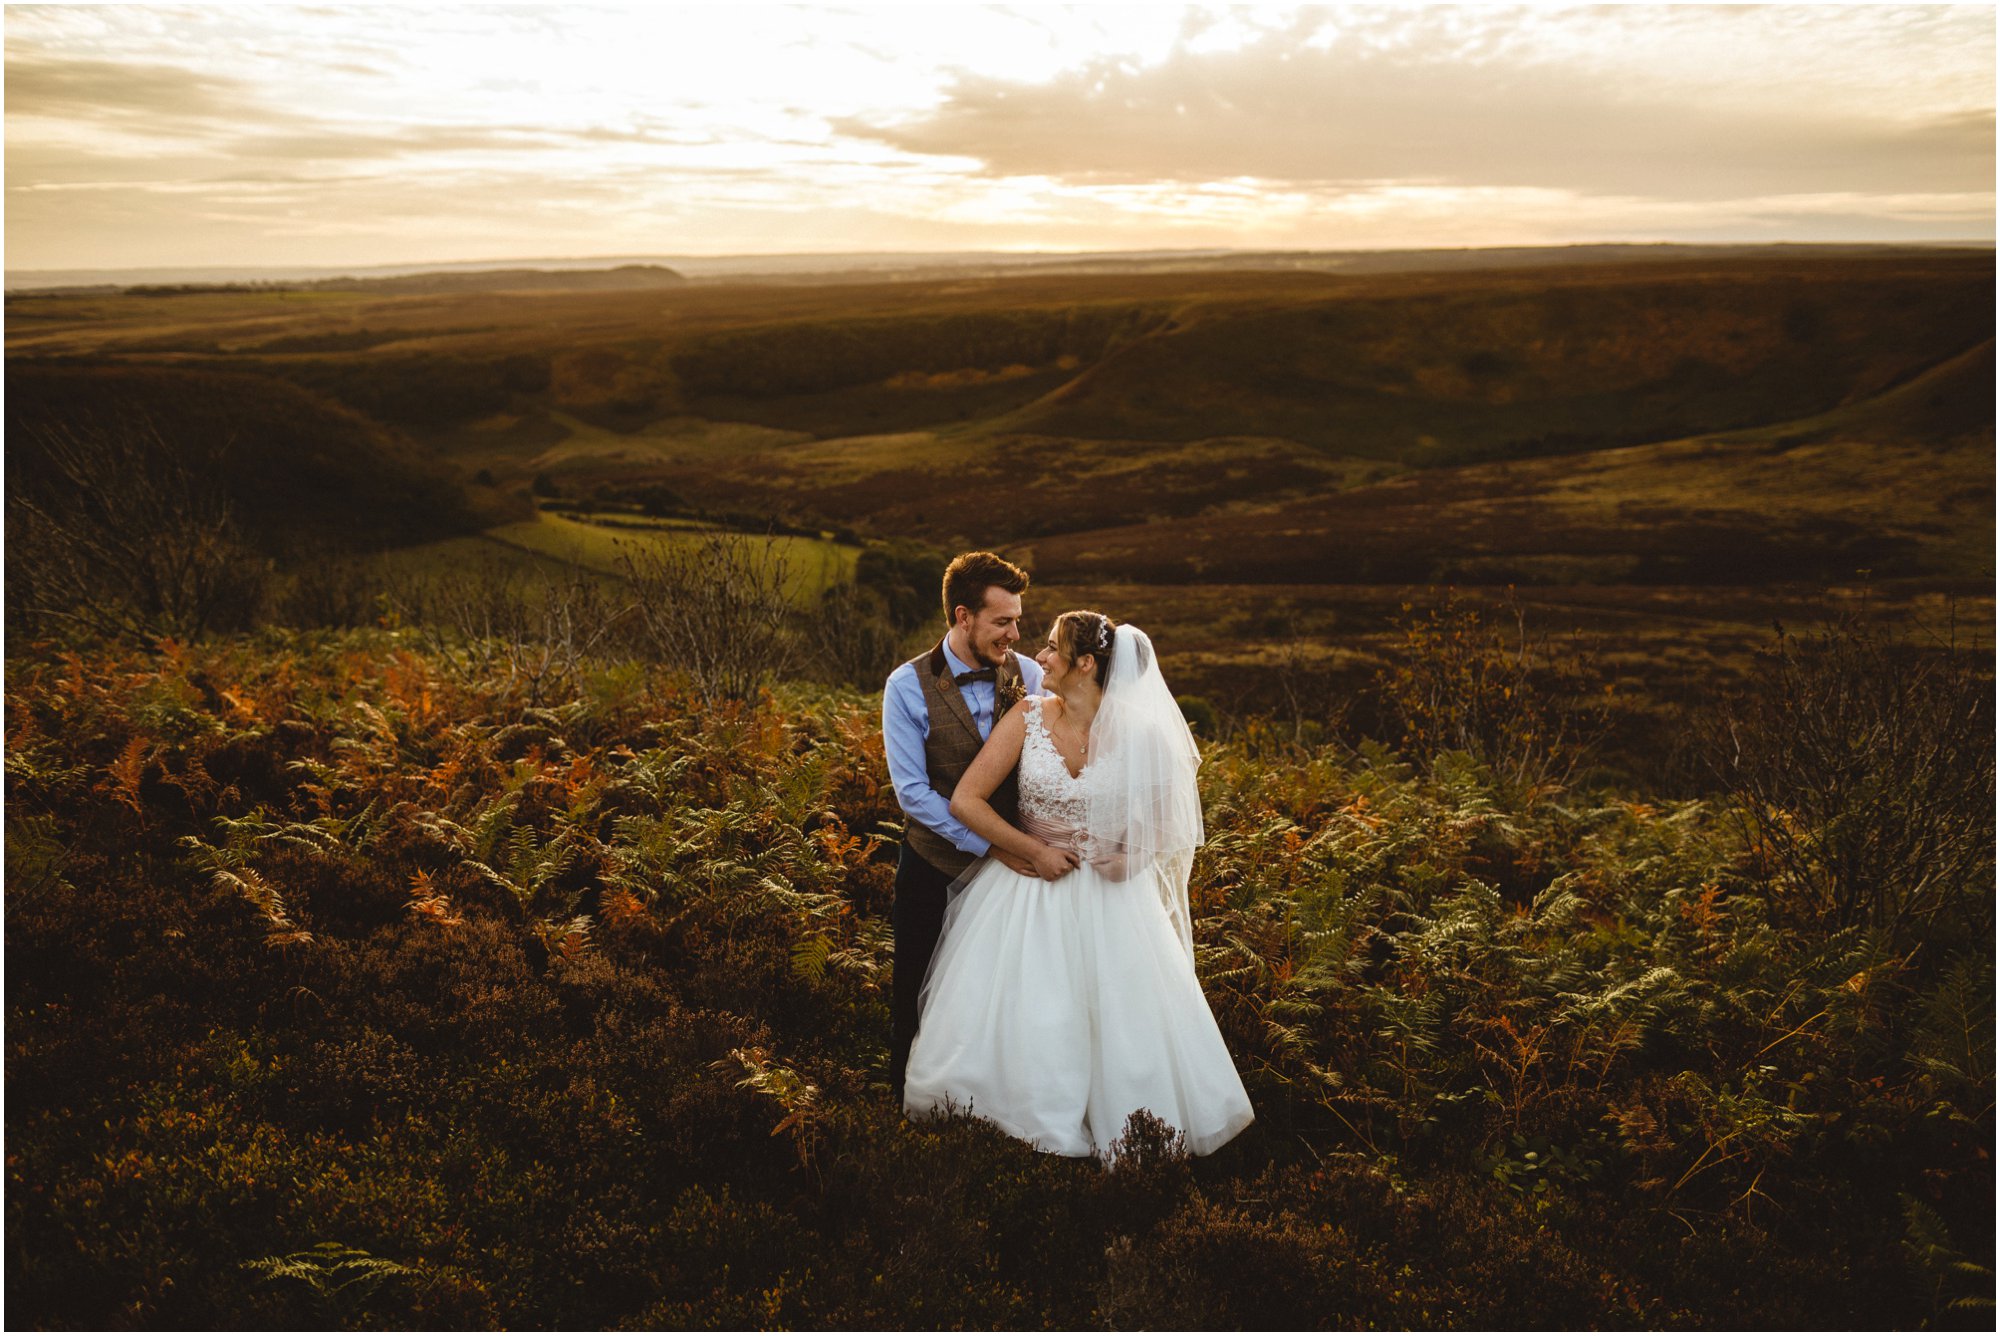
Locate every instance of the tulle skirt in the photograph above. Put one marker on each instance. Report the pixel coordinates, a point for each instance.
(1056, 1009)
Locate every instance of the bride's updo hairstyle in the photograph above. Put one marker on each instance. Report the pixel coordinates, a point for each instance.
(1084, 632)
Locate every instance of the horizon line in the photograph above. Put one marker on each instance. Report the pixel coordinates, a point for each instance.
(1016, 254)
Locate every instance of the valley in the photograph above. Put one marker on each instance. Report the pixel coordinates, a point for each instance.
(1263, 465)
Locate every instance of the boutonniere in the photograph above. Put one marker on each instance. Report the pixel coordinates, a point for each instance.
(1007, 694)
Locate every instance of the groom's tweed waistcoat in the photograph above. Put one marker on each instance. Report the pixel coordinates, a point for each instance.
(948, 750)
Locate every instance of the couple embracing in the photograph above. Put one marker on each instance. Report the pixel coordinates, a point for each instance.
(1044, 958)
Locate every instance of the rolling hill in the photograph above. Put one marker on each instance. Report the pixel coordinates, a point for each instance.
(1900, 484)
(1643, 436)
(297, 469)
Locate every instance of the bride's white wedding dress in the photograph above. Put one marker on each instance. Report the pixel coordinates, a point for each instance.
(1054, 1009)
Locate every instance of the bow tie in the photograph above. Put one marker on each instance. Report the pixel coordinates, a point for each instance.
(977, 675)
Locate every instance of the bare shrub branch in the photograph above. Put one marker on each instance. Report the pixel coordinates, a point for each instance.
(715, 605)
(1531, 709)
(849, 637)
(1862, 763)
(122, 532)
(538, 627)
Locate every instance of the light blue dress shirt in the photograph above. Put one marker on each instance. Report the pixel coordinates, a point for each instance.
(906, 724)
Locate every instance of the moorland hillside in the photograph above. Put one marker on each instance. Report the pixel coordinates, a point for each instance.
(293, 466)
(350, 987)
(1419, 368)
(1900, 484)
(423, 942)
(1686, 432)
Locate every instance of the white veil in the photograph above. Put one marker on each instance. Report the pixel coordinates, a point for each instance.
(1144, 803)
(1144, 814)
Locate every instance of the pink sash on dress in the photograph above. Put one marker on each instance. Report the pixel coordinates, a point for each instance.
(1055, 834)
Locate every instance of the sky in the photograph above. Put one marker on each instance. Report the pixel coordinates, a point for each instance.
(156, 135)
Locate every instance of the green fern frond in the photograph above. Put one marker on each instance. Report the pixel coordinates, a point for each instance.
(809, 957)
(330, 1269)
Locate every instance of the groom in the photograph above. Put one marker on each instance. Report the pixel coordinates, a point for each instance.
(937, 711)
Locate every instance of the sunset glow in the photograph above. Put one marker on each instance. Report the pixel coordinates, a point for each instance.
(260, 135)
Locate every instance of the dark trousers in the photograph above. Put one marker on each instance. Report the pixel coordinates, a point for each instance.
(916, 919)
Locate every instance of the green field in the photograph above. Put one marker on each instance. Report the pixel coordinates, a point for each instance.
(552, 544)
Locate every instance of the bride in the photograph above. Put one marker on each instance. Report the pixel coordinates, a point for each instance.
(1058, 1004)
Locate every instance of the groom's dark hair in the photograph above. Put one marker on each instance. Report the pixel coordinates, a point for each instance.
(971, 574)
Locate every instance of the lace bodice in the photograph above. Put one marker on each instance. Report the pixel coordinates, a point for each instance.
(1052, 799)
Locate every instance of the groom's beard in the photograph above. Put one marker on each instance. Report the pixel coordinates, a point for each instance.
(1000, 653)
(992, 654)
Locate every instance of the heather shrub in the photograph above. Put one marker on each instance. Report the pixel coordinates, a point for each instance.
(1464, 680)
(349, 987)
(1862, 764)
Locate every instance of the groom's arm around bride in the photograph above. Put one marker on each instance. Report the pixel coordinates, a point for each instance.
(937, 711)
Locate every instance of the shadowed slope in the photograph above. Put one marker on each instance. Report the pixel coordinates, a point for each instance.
(1900, 484)
(294, 465)
(1498, 367)
(1211, 421)
(1419, 368)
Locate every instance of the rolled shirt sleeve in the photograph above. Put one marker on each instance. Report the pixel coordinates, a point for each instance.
(906, 721)
(905, 725)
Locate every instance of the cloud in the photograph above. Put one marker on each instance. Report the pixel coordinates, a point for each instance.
(322, 143)
(1285, 110)
(278, 134)
(133, 94)
(603, 134)
(211, 114)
